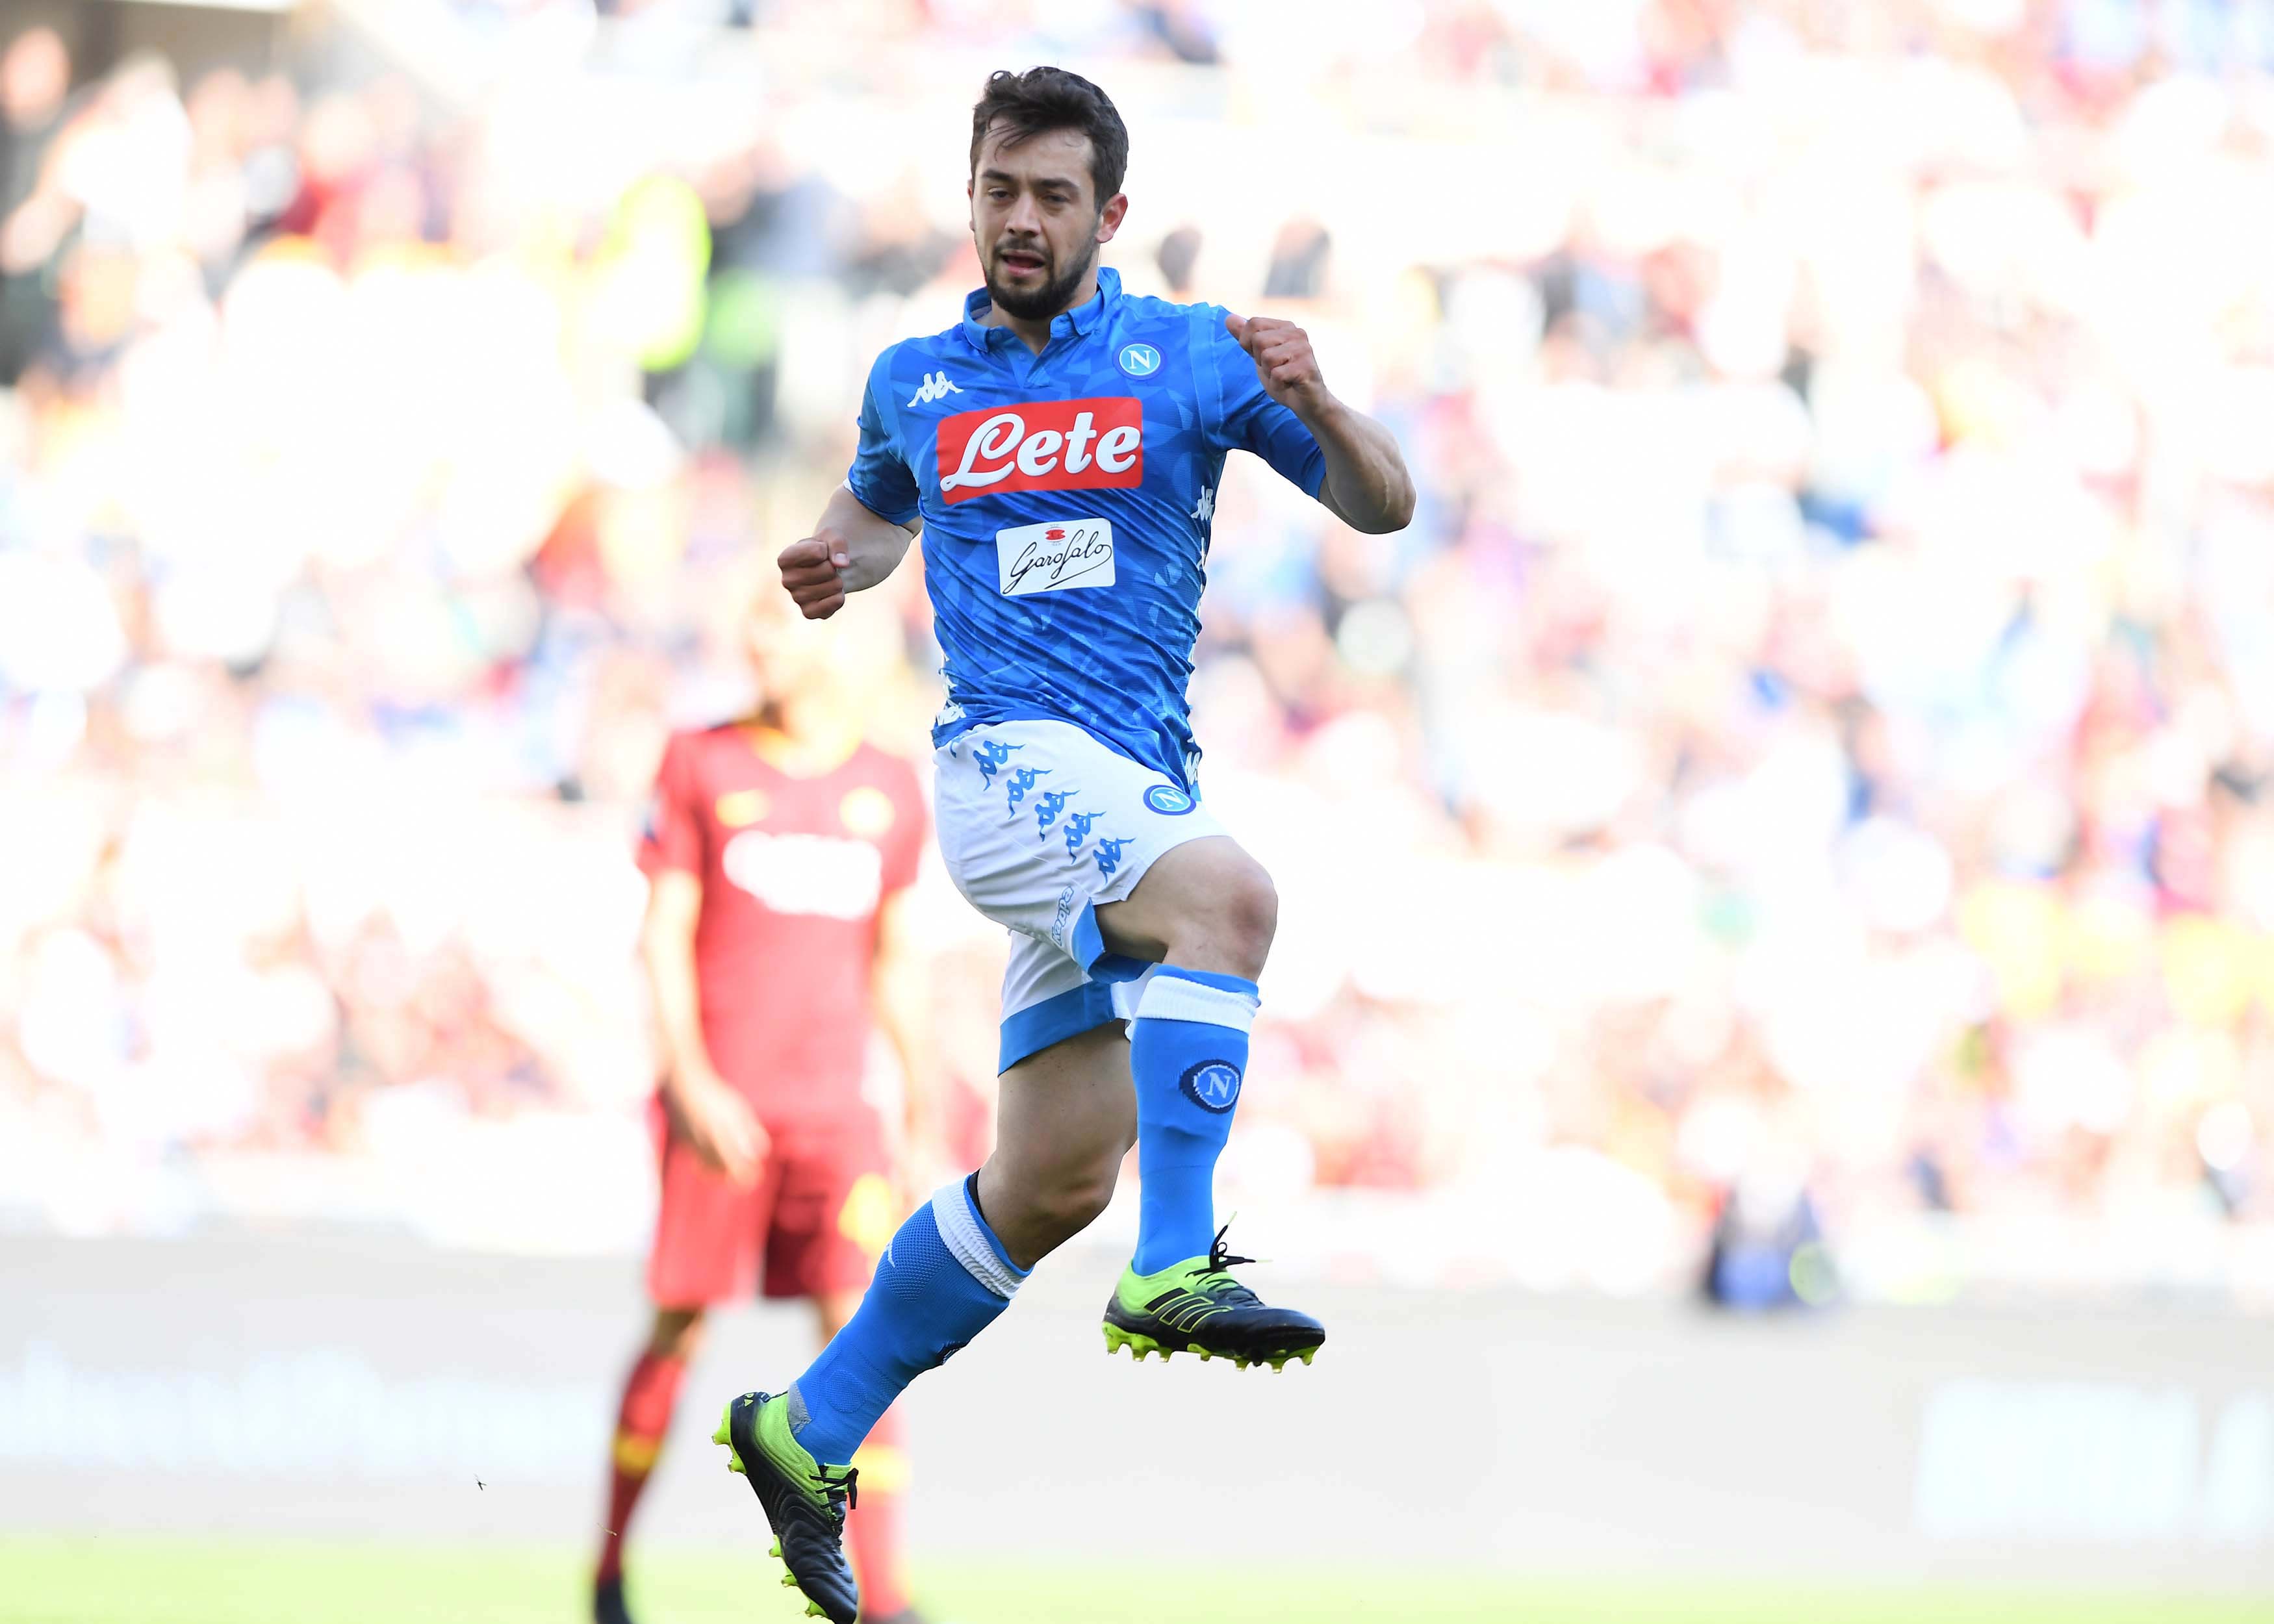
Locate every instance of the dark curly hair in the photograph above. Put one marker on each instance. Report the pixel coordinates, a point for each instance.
(1026, 105)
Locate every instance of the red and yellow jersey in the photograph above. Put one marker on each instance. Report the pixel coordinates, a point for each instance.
(794, 872)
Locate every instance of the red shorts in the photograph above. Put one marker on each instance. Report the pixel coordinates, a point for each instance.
(815, 1222)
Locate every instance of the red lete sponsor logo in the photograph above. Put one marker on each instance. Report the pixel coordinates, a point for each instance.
(1042, 446)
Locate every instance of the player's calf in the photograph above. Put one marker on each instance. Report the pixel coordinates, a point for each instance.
(1214, 909)
(1036, 1210)
(944, 1277)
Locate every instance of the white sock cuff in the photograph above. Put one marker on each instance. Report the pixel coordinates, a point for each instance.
(969, 1243)
(1172, 998)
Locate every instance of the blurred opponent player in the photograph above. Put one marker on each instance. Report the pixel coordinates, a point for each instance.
(777, 849)
(1060, 448)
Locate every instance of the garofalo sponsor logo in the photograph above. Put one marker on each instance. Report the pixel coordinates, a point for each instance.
(1052, 557)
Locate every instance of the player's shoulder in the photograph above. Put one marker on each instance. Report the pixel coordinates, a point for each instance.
(698, 741)
(1150, 313)
(914, 357)
(1169, 342)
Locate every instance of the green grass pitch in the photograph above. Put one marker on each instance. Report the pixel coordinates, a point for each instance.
(135, 1580)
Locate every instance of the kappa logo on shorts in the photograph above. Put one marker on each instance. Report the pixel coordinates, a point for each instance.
(1022, 780)
(1168, 800)
(1078, 829)
(1212, 1085)
(1047, 809)
(1109, 855)
(991, 757)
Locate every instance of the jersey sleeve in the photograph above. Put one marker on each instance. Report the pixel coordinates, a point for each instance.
(880, 478)
(672, 836)
(1252, 421)
(904, 844)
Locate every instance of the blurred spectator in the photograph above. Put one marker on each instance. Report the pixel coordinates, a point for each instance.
(1817, 729)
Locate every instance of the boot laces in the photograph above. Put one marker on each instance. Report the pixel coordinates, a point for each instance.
(1213, 1281)
(842, 1489)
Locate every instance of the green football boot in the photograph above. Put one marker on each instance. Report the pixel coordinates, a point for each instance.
(1197, 1307)
(804, 1501)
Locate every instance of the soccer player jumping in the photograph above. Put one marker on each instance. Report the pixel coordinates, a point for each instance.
(1059, 449)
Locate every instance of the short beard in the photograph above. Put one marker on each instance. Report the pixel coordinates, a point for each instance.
(1047, 301)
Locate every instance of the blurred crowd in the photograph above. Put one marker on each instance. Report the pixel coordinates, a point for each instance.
(1816, 736)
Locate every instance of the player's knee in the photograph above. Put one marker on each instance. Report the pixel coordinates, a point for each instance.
(1234, 929)
(1251, 912)
(678, 1334)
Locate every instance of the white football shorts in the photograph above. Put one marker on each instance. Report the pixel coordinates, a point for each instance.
(1041, 824)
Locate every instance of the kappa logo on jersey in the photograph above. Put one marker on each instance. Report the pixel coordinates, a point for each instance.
(806, 873)
(1140, 360)
(935, 386)
(1086, 445)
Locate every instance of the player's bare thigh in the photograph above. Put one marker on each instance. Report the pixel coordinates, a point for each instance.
(1064, 1119)
(1205, 905)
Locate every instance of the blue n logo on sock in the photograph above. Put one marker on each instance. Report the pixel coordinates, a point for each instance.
(1187, 1055)
(1212, 1085)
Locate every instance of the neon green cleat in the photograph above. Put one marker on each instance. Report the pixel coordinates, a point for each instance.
(1196, 1306)
(804, 1501)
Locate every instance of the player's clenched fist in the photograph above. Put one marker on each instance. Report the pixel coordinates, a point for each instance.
(1282, 353)
(811, 573)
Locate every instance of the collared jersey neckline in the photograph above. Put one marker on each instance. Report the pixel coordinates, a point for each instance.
(1082, 319)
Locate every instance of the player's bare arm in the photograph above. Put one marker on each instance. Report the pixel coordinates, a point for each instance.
(1367, 486)
(705, 1110)
(850, 551)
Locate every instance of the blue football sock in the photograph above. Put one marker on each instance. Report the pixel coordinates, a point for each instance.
(941, 1282)
(1188, 1049)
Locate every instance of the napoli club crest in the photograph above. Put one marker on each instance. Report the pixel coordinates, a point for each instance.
(1167, 800)
(1140, 360)
(1213, 1086)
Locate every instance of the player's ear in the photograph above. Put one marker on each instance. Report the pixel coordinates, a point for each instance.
(1109, 217)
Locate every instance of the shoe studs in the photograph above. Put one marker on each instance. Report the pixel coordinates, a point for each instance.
(815, 1610)
(735, 1464)
(775, 1551)
(789, 1582)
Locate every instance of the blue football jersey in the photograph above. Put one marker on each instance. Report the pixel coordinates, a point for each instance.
(1066, 499)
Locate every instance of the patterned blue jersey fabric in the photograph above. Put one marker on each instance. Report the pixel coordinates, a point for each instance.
(1100, 458)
